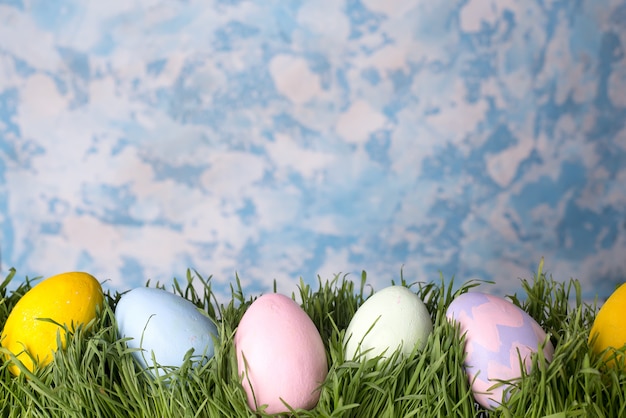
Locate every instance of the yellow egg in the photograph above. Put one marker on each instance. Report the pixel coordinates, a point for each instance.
(609, 327)
(67, 299)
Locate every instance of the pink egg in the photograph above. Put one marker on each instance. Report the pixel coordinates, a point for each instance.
(497, 335)
(280, 355)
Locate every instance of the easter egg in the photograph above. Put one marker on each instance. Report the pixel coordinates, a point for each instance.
(163, 327)
(497, 335)
(609, 326)
(391, 319)
(280, 355)
(30, 332)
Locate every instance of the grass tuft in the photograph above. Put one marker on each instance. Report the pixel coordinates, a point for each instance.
(96, 375)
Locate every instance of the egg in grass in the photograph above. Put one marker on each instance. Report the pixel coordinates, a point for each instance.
(608, 332)
(162, 327)
(500, 340)
(281, 358)
(30, 332)
(394, 318)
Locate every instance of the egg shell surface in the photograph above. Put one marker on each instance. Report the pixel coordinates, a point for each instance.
(280, 355)
(69, 299)
(392, 318)
(166, 325)
(609, 326)
(497, 335)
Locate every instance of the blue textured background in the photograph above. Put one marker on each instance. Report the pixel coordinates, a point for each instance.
(284, 139)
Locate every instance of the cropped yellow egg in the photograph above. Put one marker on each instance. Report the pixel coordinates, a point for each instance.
(609, 327)
(67, 299)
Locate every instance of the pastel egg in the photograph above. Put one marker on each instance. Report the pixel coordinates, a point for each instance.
(280, 355)
(164, 326)
(497, 335)
(391, 319)
(609, 326)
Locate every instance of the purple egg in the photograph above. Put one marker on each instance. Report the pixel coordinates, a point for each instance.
(497, 335)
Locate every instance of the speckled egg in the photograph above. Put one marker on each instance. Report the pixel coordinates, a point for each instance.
(164, 326)
(280, 355)
(497, 335)
(609, 326)
(391, 319)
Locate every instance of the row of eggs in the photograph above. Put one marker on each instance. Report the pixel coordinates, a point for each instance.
(280, 354)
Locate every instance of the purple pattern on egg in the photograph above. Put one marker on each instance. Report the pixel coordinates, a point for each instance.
(497, 335)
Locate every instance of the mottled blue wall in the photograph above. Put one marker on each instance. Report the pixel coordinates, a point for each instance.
(280, 139)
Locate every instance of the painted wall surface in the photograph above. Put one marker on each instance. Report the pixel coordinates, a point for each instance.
(287, 139)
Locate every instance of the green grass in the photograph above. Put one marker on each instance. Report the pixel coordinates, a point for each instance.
(96, 376)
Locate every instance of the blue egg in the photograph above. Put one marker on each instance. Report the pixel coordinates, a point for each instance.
(163, 327)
